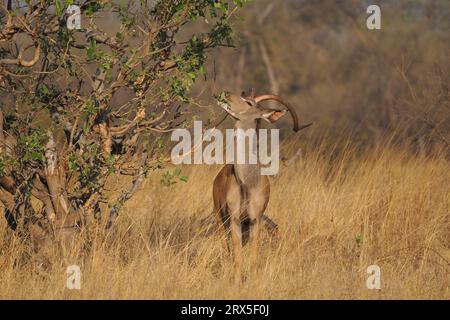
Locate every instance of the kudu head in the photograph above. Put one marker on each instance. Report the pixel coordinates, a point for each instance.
(247, 108)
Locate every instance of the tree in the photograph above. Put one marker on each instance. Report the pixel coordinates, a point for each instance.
(61, 134)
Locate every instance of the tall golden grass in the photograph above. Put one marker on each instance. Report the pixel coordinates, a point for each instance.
(339, 210)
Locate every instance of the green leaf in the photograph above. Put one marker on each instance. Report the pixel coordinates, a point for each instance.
(91, 50)
(359, 239)
(59, 8)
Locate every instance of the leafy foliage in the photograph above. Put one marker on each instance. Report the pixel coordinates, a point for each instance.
(172, 177)
(63, 99)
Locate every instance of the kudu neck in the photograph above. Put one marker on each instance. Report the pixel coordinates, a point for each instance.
(247, 174)
(247, 124)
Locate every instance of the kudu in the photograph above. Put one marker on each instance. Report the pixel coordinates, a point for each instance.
(240, 192)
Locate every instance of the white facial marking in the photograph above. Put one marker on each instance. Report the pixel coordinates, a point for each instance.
(227, 108)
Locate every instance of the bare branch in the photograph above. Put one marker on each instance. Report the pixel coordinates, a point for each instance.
(20, 61)
(129, 193)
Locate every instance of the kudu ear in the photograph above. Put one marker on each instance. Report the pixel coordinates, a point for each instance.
(272, 115)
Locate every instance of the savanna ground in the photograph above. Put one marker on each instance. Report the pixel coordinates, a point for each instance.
(339, 210)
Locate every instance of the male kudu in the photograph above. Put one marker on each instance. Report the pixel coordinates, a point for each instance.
(240, 192)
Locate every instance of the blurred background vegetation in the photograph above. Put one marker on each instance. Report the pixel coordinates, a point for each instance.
(342, 76)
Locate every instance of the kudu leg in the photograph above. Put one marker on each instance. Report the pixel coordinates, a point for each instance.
(233, 206)
(236, 239)
(255, 212)
(223, 224)
(254, 242)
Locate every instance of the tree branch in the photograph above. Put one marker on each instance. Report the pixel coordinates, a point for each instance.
(125, 196)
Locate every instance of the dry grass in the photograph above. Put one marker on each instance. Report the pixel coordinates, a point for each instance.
(398, 204)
